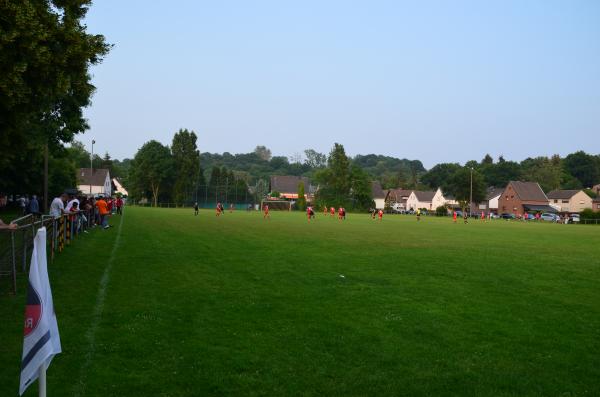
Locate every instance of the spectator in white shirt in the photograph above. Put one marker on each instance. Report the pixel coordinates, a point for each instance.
(70, 203)
(57, 208)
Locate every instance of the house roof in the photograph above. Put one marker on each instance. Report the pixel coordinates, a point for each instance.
(494, 192)
(540, 208)
(94, 177)
(288, 183)
(529, 191)
(398, 194)
(377, 191)
(562, 194)
(424, 195)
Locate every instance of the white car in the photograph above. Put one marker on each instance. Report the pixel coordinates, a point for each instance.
(547, 216)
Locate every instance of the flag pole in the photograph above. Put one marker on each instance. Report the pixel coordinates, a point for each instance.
(42, 380)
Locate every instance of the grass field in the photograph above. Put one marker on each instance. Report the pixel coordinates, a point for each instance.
(168, 304)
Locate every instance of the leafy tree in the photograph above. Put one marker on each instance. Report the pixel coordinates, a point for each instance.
(336, 180)
(45, 56)
(301, 202)
(460, 186)
(487, 160)
(584, 167)
(263, 153)
(545, 171)
(501, 173)
(439, 175)
(315, 159)
(152, 169)
(360, 189)
(186, 159)
(214, 183)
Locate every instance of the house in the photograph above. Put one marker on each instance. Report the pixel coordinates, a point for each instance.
(119, 187)
(519, 197)
(378, 195)
(93, 181)
(491, 200)
(596, 204)
(438, 199)
(287, 186)
(397, 197)
(569, 200)
(420, 199)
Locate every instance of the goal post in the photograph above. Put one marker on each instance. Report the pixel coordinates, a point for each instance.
(277, 205)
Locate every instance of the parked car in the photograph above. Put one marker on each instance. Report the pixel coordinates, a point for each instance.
(549, 217)
(506, 215)
(574, 218)
(494, 216)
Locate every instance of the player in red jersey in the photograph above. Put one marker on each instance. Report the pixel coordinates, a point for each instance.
(454, 216)
(219, 209)
(332, 211)
(340, 213)
(266, 212)
(483, 216)
(380, 214)
(343, 213)
(310, 213)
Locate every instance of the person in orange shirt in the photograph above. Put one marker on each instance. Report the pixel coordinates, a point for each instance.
(266, 212)
(103, 212)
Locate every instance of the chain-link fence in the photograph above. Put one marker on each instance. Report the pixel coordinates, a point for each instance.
(16, 244)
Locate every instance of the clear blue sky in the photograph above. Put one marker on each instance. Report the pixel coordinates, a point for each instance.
(431, 80)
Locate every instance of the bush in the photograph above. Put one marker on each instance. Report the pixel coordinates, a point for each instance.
(441, 211)
(589, 214)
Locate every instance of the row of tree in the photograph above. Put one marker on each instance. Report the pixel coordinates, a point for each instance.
(578, 170)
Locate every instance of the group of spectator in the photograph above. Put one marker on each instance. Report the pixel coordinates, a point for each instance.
(99, 208)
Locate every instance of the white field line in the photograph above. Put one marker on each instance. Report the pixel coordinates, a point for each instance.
(90, 335)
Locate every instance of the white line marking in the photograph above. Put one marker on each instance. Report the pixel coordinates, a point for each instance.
(90, 335)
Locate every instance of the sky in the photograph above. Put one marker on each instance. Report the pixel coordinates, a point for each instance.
(437, 81)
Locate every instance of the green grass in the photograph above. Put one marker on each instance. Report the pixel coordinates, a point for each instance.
(200, 306)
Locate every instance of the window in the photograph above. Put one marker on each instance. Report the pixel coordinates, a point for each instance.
(565, 201)
(555, 201)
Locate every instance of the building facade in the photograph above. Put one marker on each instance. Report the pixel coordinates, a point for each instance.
(569, 200)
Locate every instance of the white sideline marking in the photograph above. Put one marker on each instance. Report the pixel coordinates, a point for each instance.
(90, 335)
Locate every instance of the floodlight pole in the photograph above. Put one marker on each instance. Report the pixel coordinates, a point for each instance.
(92, 166)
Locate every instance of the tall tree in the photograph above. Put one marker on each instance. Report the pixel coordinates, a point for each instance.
(152, 169)
(439, 175)
(335, 180)
(301, 202)
(186, 158)
(45, 56)
(584, 167)
(315, 159)
(263, 153)
(460, 186)
(360, 189)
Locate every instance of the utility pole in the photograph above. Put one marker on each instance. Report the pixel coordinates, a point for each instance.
(471, 194)
(92, 166)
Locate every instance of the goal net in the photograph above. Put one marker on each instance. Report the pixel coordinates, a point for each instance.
(277, 205)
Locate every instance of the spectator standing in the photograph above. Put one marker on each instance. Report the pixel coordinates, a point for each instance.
(103, 211)
(57, 207)
(34, 205)
(119, 205)
(72, 200)
(22, 204)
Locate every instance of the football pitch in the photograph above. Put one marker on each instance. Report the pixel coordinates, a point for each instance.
(169, 304)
